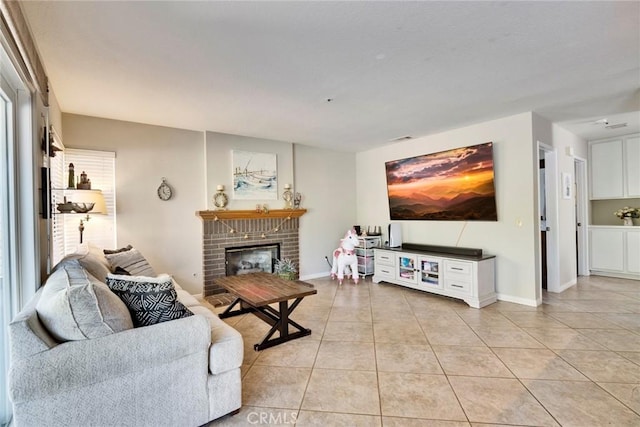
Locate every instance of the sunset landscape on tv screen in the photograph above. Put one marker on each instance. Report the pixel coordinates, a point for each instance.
(455, 185)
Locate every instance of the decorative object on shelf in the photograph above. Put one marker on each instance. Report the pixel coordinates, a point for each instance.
(265, 208)
(345, 256)
(220, 199)
(72, 176)
(285, 269)
(84, 183)
(296, 200)
(627, 214)
(287, 196)
(164, 191)
(86, 202)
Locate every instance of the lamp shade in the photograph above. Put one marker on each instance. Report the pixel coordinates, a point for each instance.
(83, 199)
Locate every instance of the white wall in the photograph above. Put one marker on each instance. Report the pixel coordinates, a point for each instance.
(327, 181)
(169, 234)
(511, 238)
(219, 147)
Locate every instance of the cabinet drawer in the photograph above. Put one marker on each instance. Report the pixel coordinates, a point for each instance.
(458, 267)
(385, 271)
(457, 285)
(387, 258)
(364, 252)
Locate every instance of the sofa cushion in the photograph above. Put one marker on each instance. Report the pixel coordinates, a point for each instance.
(91, 258)
(130, 262)
(75, 305)
(150, 300)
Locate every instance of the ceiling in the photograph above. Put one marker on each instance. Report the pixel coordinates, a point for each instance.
(343, 75)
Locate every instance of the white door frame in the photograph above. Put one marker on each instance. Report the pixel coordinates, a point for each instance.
(582, 216)
(551, 191)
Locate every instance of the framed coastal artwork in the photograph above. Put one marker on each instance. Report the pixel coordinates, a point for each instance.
(255, 175)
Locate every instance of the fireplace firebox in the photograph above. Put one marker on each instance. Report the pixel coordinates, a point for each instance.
(251, 259)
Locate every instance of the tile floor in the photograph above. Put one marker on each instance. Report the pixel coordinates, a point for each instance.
(383, 355)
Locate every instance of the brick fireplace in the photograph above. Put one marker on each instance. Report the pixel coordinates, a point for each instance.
(241, 228)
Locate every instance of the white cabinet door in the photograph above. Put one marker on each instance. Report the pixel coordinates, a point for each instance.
(633, 251)
(407, 268)
(632, 163)
(606, 169)
(607, 249)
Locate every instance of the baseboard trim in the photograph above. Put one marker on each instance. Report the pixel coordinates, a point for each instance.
(315, 276)
(518, 300)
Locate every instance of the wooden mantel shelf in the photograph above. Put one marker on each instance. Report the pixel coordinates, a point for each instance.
(251, 214)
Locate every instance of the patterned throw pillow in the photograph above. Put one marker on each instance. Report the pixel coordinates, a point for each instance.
(150, 300)
(130, 262)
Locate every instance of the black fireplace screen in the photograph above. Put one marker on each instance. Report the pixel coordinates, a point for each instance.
(251, 259)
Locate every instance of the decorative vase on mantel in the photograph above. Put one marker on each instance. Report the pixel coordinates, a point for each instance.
(627, 221)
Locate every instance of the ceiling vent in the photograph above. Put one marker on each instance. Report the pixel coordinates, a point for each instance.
(619, 125)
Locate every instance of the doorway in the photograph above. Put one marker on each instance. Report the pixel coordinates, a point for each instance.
(548, 240)
(581, 219)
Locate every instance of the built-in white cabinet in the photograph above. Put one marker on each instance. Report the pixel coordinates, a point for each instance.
(615, 251)
(466, 278)
(615, 168)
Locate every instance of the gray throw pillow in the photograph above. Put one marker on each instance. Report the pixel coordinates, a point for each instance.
(75, 305)
(130, 262)
(150, 300)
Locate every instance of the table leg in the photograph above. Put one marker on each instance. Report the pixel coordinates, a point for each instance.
(281, 322)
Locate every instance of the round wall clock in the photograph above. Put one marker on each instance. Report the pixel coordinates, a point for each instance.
(164, 191)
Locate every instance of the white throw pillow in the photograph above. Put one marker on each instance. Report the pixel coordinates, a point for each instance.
(75, 305)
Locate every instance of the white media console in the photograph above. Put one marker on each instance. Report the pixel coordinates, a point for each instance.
(461, 273)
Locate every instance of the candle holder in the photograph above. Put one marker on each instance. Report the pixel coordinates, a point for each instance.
(287, 196)
(220, 200)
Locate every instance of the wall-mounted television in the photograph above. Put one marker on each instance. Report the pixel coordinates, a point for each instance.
(452, 185)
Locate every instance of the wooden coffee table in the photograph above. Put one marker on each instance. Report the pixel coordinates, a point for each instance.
(254, 292)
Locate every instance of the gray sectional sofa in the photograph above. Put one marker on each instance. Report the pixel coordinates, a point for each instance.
(77, 360)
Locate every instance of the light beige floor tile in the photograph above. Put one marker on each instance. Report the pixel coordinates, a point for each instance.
(614, 339)
(634, 356)
(350, 314)
(556, 338)
(526, 319)
(350, 392)
(253, 415)
(538, 364)
(507, 337)
(489, 319)
(399, 357)
(581, 294)
(583, 321)
(442, 319)
(629, 394)
(581, 404)
(598, 306)
(602, 366)
(420, 422)
(387, 313)
(274, 386)
(473, 361)
(326, 419)
(499, 400)
(455, 335)
(625, 320)
(350, 355)
(348, 331)
(400, 331)
(298, 353)
(418, 396)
